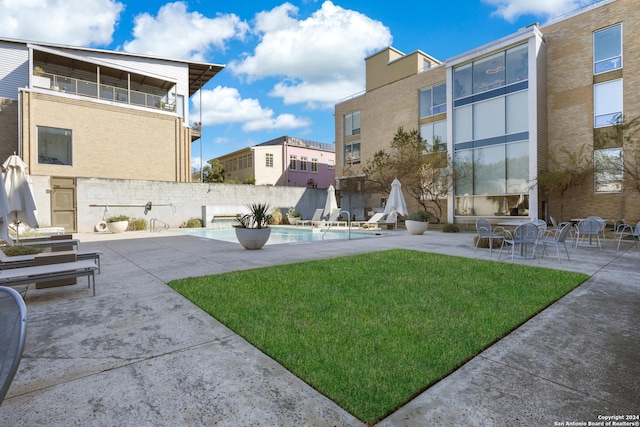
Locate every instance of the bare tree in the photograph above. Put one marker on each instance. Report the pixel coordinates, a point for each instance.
(425, 170)
(570, 170)
(624, 135)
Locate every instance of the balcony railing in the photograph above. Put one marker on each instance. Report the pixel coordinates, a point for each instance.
(102, 91)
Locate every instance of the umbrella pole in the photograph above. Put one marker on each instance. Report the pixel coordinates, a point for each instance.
(17, 224)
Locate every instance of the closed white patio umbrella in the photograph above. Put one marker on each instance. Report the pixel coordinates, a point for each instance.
(395, 201)
(17, 184)
(4, 212)
(331, 204)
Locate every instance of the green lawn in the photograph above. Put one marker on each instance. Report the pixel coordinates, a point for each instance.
(372, 331)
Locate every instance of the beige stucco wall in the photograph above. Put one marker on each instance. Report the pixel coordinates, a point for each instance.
(108, 141)
(570, 82)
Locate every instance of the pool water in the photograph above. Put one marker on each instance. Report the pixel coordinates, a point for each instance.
(278, 234)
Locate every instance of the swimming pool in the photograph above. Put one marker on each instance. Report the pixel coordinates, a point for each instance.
(279, 234)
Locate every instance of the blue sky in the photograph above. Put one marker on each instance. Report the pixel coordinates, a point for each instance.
(287, 63)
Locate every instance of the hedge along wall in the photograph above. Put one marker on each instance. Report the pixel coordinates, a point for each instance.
(187, 199)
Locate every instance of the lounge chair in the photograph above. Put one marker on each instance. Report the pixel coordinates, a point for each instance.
(333, 220)
(317, 216)
(49, 272)
(22, 229)
(16, 261)
(372, 222)
(57, 241)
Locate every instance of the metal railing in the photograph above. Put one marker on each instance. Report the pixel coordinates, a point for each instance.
(90, 89)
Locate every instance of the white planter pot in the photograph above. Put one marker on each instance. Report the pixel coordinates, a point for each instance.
(118, 226)
(416, 227)
(293, 220)
(253, 238)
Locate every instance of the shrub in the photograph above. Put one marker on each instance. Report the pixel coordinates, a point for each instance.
(136, 224)
(192, 223)
(276, 216)
(18, 250)
(118, 218)
(422, 216)
(450, 228)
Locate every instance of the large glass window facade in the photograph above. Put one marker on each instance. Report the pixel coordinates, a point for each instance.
(492, 72)
(54, 146)
(491, 134)
(607, 49)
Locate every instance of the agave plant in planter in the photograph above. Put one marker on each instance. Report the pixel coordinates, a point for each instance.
(252, 229)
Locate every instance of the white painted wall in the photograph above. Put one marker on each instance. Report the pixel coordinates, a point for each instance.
(187, 198)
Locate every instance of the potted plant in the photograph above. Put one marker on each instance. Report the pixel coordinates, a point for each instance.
(418, 222)
(118, 223)
(293, 216)
(252, 229)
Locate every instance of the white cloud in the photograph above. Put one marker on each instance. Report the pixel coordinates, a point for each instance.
(176, 33)
(511, 10)
(319, 60)
(71, 22)
(224, 105)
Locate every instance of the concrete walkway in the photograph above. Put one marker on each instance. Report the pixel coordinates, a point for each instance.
(139, 354)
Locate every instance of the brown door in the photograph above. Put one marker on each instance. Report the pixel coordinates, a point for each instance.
(63, 203)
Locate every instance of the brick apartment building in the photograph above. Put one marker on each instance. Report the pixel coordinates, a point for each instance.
(505, 110)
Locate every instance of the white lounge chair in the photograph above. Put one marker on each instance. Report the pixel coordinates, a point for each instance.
(333, 220)
(372, 222)
(49, 272)
(317, 216)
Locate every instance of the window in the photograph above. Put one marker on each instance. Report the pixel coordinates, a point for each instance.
(488, 73)
(245, 161)
(607, 103)
(269, 160)
(352, 124)
(330, 164)
(314, 165)
(495, 71)
(517, 62)
(463, 124)
(292, 162)
(607, 49)
(489, 118)
(517, 110)
(303, 163)
(608, 170)
(54, 146)
(352, 153)
(433, 132)
(433, 100)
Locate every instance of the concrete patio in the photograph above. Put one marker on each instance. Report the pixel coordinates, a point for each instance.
(139, 354)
